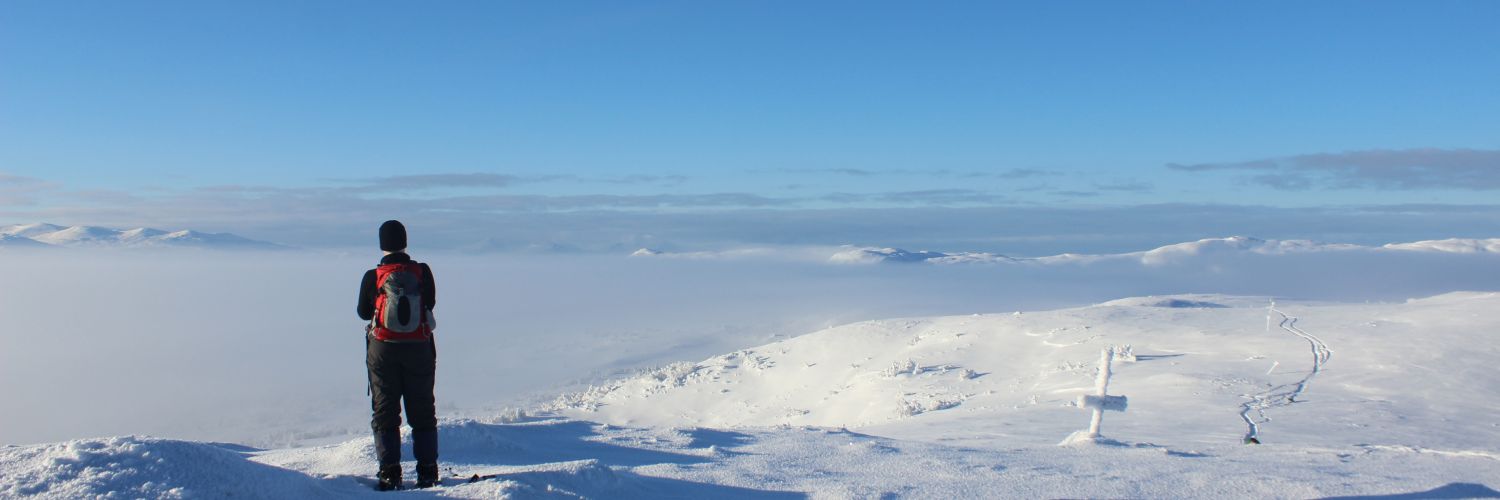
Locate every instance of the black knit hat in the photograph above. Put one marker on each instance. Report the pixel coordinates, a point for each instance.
(392, 236)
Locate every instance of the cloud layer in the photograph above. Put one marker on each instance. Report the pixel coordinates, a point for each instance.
(1390, 169)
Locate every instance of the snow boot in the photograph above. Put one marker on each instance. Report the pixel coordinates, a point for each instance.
(390, 477)
(427, 475)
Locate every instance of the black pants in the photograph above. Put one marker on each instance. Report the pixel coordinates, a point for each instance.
(403, 371)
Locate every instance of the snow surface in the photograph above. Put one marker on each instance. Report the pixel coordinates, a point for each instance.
(969, 406)
(15, 241)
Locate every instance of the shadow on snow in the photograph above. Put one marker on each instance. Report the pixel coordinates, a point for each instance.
(568, 459)
(1450, 490)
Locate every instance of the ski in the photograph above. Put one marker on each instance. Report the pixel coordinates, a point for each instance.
(473, 478)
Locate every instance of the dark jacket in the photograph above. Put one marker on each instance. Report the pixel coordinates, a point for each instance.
(368, 291)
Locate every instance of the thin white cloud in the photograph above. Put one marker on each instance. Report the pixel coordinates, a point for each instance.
(1387, 169)
(1129, 186)
(927, 197)
(16, 191)
(473, 180)
(1009, 174)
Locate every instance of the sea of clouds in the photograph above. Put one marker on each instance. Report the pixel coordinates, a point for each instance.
(264, 347)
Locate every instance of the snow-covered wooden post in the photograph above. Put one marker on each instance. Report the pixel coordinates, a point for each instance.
(1269, 311)
(1100, 400)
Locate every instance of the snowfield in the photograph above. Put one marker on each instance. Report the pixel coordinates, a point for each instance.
(1367, 399)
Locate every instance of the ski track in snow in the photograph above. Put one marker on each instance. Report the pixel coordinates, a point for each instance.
(1284, 394)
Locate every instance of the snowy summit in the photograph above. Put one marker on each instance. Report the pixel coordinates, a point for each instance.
(43, 235)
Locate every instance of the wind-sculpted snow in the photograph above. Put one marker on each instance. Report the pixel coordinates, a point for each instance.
(1194, 356)
(138, 467)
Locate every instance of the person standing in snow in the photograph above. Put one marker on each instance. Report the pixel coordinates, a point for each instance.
(397, 298)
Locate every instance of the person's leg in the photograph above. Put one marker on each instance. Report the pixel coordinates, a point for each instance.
(421, 409)
(386, 388)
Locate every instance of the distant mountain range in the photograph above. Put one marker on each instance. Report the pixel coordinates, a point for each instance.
(1171, 253)
(42, 235)
(1161, 255)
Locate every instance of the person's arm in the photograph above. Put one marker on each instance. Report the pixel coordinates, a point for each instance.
(366, 306)
(429, 288)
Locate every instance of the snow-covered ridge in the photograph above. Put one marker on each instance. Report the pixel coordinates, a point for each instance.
(43, 235)
(1192, 360)
(1451, 245)
(1166, 254)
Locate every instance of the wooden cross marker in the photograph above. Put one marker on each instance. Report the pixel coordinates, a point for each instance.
(1101, 400)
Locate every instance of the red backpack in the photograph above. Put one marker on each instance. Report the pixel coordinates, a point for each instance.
(399, 314)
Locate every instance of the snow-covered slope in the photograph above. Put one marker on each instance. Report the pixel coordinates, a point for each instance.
(14, 241)
(101, 237)
(1167, 254)
(1414, 374)
(1451, 245)
(29, 230)
(141, 467)
(1212, 246)
(1348, 399)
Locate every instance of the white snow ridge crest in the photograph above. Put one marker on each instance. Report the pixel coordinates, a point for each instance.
(1167, 254)
(44, 235)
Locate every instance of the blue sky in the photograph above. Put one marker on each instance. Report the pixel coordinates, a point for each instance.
(217, 114)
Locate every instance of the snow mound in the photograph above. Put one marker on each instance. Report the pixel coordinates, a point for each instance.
(860, 374)
(141, 467)
(1194, 361)
(1451, 245)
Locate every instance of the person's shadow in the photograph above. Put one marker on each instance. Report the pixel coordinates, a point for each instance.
(567, 458)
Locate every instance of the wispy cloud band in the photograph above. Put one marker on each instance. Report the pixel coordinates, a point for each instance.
(1391, 169)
